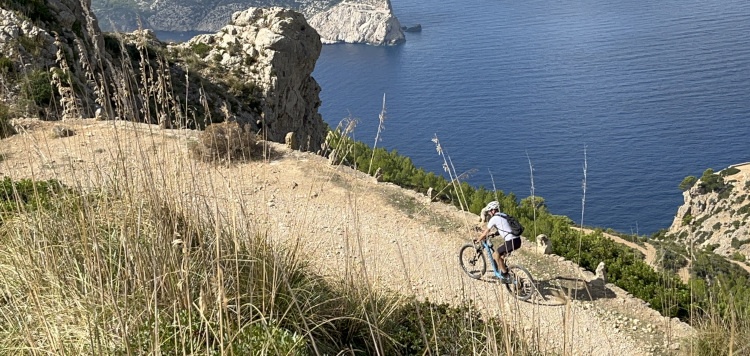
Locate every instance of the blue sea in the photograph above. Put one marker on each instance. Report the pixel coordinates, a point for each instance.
(601, 107)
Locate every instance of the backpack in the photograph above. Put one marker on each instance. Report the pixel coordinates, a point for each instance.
(515, 226)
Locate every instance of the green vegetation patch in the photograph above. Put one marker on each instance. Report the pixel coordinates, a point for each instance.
(6, 65)
(737, 243)
(729, 171)
(37, 88)
(16, 196)
(6, 129)
(201, 49)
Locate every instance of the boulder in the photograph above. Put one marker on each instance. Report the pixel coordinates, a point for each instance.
(543, 245)
(370, 21)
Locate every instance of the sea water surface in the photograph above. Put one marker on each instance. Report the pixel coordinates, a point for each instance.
(612, 103)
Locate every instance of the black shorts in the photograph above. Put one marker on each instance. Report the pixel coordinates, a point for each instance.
(509, 246)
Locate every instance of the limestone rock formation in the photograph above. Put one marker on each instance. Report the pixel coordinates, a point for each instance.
(719, 219)
(370, 21)
(273, 52)
(51, 52)
(543, 244)
(55, 63)
(360, 21)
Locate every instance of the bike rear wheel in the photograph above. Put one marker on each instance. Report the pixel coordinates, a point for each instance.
(472, 260)
(521, 284)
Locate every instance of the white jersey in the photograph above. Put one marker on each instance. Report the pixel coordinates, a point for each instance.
(502, 226)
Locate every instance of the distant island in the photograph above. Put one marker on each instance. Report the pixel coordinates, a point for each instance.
(358, 21)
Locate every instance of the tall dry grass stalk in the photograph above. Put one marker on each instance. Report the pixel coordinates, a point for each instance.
(452, 174)
(381, 127)
(533, 194)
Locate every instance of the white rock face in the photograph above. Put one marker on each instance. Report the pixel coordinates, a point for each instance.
(369, 22)
(354, 21)
(276, 49)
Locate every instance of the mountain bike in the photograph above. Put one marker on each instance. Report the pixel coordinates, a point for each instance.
(473, 260)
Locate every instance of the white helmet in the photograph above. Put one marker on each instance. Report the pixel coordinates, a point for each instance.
(493, 205)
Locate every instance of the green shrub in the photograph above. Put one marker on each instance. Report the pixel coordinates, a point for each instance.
(671, 259)
(201, 49)
(701, 220)
(711, 182)
(197, 333)
(711, 247)
(425, 328)
(716, 226)
(736, 243)
(687, 183)
(37, 88)
(729, 171)
(687, 219)
(32, 45)
(726, 191)
(27, 194)
(6, 65)
(738, 256)
(6, 129)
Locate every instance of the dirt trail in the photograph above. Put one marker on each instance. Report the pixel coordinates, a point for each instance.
(647, 250)
(349, 225)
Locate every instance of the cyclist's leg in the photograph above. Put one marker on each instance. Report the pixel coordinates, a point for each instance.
(506, 248)
(499, 255)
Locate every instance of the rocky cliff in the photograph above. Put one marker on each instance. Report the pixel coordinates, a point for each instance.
(276, 50)
(367, 21)
(55, 64)
(363, 21)
(717, 217)
(52, 45)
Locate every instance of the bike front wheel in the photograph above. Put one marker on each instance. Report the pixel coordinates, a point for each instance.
(521, 283)
(472, 260)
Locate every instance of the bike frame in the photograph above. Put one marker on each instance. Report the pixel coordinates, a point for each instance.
(488, 247)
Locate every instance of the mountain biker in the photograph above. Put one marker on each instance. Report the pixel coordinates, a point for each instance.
(496, 221)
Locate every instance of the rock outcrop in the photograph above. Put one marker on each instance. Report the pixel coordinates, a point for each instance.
(51, 52)
(275, 50)
(718, 219)
(55, 64)
(356, 21)
(370, 21)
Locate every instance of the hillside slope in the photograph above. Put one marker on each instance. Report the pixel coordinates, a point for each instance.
(349, 225)
(718, 219)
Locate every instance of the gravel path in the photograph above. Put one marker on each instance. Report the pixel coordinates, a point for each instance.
(349, 225)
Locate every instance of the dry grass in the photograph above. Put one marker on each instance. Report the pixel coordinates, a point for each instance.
(227, 142)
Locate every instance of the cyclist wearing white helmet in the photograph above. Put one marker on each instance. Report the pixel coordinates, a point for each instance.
(500, 224)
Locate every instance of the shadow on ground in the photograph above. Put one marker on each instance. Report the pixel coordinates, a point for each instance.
(560, 290)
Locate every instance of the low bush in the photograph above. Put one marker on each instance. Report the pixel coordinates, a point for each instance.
(6, 65)
(738, 256)
(37, 88)
(687, 183)
(201, 49)
(6, 129)
(227, 142)
(27, 194)
(729, 171)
